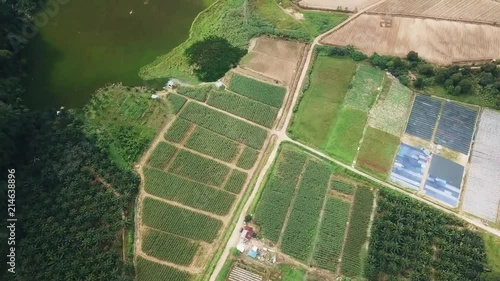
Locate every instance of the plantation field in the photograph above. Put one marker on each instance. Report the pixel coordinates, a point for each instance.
(346, 188)
(247, 158)
(225, 125)
(322, 99)
(186, 192)
(178, 130)
(249, 109)
(377, 152)
(175, 103)
(397, 102)
(345, 135)
(212, 144)
(179, 221)
(151, 271)
(198, 168)
(236, 182)
(197, 93)
(365, 88)
(169, 247)
(161, 155)
(256, 90)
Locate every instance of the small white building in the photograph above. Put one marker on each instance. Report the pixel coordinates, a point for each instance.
(219, 84)
(170, 84)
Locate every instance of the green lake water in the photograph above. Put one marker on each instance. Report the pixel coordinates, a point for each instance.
(90, 43)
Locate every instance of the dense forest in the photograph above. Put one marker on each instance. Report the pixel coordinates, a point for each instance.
(72, 201)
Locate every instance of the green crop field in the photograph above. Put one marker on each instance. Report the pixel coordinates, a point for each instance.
(197, 93)
(244, 107)
(175, 102)
(236, 182)
(278, 192)
(210, 143)
(198, 168)
(343, 187)
(161, 155)
(300, 232)
(179, 221)
(377, 152)
(189, 193)
(169, 247)
(331, 234)
(318, 108)
(352, 260)
(344, 138)
(178, 130)
(392, 109)
(247, 158)
(365, 88)
(224, 124)
(257, 90)
(151, 271)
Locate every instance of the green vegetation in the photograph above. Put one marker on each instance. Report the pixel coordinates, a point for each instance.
(352, 261)
(323, 95)
(377, 152)
(343, 187)
(244, 107)
(212, 57)
(411, 240)
(210, 143)
(331, 234)
(290, 273)
(320, 22)
(152, 271)
(169, 247)
(161, 155)
(198, 168)
(199, 93)
(175, 103)
(124, 121)
(189, 193)
(178, 130)
(257, 90)
(492, 247)
(236, 182)
(344, 138)
(247, 158)
(225, 270)
(224, 124)
(179, 221)
(278, 192)
(300, 232)
(364, 88)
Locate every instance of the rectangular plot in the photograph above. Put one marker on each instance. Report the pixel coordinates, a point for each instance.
(456, 127)
(149, 271)
(247, 158)
(444, 180)
(198, 168)
(409, 166)
(168, 247)
(197, 93)
(189, 193)
(244, 107)
(212, 144)
(236, 182)
(482, 192)
(423, 117)
(179, 221)
(178, 130)
(225, 125)
(365, 87)
(161, 155)
(377, 151)
(175, 103)
(257, 90)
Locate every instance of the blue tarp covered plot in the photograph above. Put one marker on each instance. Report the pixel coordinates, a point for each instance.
(444, 180)
(409, 166)
(456, 127)
(423, 117)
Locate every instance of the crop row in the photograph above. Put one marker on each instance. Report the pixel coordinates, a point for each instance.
(175, 103)
(161, 155)
(210, 143)
(179, 221)
(331, 234)
(358, 231)
(169, 247)
(256, 90)
(197, 93)
(249, 109)
(199, 168)
(236, 182)
(189, 193)
(224, 124)
(178, 130)
(343, 187)
(278, 193)
(151, 271)
(300, 231)
(247, 158)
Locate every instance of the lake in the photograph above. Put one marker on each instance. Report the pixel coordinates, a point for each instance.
(90, 43)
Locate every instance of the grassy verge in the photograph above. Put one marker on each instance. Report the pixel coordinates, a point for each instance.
(492, 247)
(290, 273)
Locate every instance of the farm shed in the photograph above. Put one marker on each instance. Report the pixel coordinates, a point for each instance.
(444, 181)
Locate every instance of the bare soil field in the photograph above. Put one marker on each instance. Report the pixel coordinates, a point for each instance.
(481, 11)
(351, 5)
(274, 58)
(437, 41)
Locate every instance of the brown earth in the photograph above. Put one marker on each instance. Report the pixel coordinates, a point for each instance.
(351, 5)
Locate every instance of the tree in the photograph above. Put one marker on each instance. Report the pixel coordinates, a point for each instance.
(419, 83)
(466, 86)
(412, 56)
(426, 69)
(212, 57)
(248, 218)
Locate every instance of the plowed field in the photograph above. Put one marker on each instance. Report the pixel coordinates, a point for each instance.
(351, 5)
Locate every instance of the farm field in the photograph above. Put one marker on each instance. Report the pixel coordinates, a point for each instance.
(266, 93)
(342, 5)
(441, 42)
(365, 88)
(377, 152)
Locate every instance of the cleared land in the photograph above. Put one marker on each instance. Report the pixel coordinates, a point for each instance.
(437, 41)
(482, 192)
(277, 59)
(462, 10)
(350, 5)
(377, 152)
